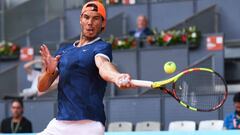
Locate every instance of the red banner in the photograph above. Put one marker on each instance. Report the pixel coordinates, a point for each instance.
(214, 43)
(27, 54)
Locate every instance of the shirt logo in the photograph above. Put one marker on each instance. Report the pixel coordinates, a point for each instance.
(84, 50)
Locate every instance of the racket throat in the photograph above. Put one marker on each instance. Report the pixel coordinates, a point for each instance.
(164, 90)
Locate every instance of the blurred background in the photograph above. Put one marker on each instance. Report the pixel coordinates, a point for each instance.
(192, 33)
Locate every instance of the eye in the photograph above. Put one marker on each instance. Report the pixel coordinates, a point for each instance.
(96, 18)
(86, 17)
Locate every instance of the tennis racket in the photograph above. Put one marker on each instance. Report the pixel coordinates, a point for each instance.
(198, 89)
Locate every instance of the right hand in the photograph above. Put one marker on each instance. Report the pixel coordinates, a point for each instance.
(123, 81)
(49, 62)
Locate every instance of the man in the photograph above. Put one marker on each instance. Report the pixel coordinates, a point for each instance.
(232, 121)
(142, 30)
(83, 69)
(33, 70)
(17, 123)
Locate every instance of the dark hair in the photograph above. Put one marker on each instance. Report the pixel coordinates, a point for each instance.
(95, 8)
(19, 101)
(236, 97)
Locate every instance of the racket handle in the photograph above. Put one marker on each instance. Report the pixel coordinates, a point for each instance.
(142, 83)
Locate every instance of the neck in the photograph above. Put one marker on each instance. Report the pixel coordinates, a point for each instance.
(17, 119)
(84, 40)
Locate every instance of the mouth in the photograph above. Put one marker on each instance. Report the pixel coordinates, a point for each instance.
(90, 30)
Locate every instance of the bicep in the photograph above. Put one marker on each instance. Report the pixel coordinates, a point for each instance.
(100, 61)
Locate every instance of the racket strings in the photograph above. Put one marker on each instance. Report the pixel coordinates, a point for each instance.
(201, 89)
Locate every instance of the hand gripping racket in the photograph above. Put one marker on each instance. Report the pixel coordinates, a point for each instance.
(198, 89)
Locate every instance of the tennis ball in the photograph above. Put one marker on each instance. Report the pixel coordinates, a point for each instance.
(170, 67)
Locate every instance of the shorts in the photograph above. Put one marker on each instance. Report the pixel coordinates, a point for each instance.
(62, 127)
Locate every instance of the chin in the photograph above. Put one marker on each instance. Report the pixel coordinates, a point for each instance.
(91, 36)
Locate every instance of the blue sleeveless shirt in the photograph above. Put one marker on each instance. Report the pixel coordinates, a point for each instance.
(81, 89)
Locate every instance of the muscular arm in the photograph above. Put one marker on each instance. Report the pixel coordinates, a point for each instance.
(110, 73)
(45, 80)
(106, 69)
(51, 88)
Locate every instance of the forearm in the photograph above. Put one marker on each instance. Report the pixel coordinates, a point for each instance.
(45, 80)
(53, 86)
(108, 72)
(50, 89)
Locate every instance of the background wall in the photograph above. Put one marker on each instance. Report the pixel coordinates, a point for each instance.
(161, 15)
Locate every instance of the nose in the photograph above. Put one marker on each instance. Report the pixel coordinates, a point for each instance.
(90, 21)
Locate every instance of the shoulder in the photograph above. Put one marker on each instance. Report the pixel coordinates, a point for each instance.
(131, 33)
(100, 41)
(103, 48)
(6, 120)
(63, 47)
(148, 31)
(26, 121)
(102, 44)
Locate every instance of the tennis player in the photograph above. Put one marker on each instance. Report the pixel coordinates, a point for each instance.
(83, 69)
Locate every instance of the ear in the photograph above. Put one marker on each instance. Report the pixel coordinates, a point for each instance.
(80, 20)
(102, 26)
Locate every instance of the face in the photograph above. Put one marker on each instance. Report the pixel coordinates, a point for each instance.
(16, 110)
(91, 24)
(237, 106)
(141, 22)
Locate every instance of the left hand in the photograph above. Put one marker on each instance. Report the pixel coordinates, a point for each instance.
(49, 62)
(124, 81)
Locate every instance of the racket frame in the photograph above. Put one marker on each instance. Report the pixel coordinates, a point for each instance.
(161, 85)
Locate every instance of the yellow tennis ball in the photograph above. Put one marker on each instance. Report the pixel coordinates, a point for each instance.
(170, 67)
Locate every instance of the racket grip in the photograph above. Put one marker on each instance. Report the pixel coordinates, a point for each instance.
(142, 83)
